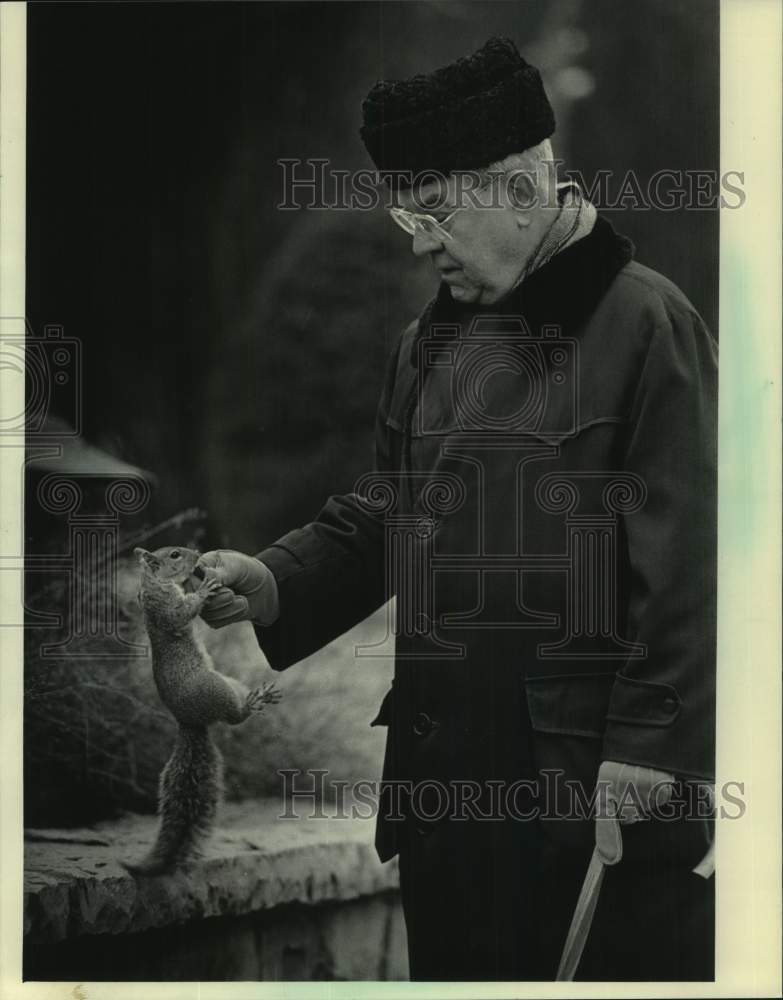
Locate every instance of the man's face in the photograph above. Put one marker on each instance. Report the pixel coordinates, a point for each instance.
(490, 238)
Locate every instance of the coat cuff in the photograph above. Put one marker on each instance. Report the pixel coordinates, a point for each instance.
(645, 725)
(643, 703)
(281, 560)
(282, 563)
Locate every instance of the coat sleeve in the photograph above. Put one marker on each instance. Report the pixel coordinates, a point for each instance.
(330, 574)
(662, 708)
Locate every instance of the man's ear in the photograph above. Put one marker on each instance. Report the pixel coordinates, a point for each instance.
(148, 558)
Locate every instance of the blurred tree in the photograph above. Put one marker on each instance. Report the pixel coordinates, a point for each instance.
(656, 107)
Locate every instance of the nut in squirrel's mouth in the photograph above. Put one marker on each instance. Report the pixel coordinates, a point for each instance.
(195, 578)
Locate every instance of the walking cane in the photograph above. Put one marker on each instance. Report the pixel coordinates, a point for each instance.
(588, 900)
(582, 919)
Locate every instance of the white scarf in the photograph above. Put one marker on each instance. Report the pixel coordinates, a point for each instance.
(574, 221)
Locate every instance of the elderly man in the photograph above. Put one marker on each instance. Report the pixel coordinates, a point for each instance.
(543, 508)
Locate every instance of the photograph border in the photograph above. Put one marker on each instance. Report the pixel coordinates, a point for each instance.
(748, 852)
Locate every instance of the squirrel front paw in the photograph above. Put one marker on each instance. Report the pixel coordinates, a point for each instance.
(258, 698)
(208, 586)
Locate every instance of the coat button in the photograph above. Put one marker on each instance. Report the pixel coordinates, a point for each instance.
(422, 724)
(669, 705)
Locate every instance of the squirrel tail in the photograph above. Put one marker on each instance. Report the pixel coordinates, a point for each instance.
(191, 785)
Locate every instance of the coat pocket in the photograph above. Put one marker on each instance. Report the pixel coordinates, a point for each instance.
(569, 704)
(567, 717)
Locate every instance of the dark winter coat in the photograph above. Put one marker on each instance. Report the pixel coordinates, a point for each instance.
(544, 508)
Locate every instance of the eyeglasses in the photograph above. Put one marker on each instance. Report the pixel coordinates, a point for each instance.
(412, 222)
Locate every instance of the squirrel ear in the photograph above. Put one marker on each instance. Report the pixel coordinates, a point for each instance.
(148, 558)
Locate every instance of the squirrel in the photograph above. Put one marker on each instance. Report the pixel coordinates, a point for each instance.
(191, 783)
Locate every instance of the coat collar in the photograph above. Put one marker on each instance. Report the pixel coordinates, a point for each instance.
(564, 292)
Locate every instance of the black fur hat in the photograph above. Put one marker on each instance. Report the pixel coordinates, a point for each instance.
(469, 114)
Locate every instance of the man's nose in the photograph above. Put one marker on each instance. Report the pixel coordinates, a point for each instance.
(424, 243)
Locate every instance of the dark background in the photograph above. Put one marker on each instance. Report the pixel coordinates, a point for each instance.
(234, 350)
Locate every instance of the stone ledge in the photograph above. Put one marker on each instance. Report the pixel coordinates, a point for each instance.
(74, 884)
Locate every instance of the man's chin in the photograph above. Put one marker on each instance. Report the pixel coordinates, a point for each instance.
(461, 293)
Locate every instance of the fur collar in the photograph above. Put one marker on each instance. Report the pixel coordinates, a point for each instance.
(563, 292)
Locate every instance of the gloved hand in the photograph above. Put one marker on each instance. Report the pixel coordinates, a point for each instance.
(248, 591)
(626, 794)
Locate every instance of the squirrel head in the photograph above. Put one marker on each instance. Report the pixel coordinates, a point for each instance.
(169, 563)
